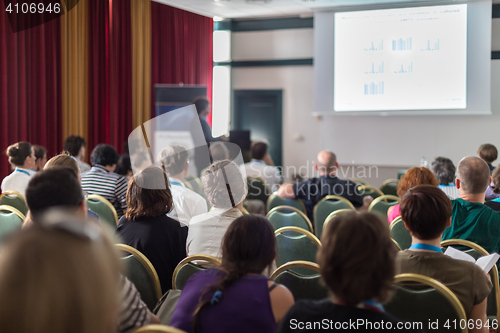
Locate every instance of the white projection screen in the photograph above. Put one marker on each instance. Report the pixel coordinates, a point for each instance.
(411, 60)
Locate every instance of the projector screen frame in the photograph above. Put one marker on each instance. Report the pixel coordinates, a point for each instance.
(327, 51)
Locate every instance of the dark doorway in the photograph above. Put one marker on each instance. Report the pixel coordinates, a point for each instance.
(260, 111)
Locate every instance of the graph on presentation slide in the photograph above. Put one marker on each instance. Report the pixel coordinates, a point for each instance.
(401, 59)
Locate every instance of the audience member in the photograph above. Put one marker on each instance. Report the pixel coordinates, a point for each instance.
(187, 204)
(218, 151)
(58, 187)
(75, 145)
(357, 265)
(146, 226)
(314, 189)
(494, 191)
(59, 276)
(426, 212)
(236, 297)
(444, 170)
(226, 190)
(262, 166)
(124, 167)
(489, 154)
(40, 157)
(102, 180)
(471, 219)
(413, 177)
(22, 157)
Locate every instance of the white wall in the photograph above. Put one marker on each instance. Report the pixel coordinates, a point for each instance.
(395, 137)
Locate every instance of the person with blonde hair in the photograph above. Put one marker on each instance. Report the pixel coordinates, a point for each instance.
(225, 189)
(59, 276)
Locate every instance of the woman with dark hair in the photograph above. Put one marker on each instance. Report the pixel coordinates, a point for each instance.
(124, 166)
(236, 297)
(413, 177)
(22, 157)
(146, 226)
(357, 264)
(40, 157)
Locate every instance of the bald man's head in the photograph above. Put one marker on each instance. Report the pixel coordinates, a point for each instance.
(326, 162)
(474, 175)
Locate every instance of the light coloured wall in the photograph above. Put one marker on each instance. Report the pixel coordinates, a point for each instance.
(392, 137)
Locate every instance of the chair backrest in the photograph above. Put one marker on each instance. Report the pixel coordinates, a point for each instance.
(275, 201)
(381, 204)
(435, 302)
(325, 207)
(10, 220)
(158, 329)
(142, 274)
(359, 181)
(301, 287)
(367, 190)
(332, 216)
(294, 244)
(187, 268)
(390, 187)
(400, 234)
(287, 216)
(194, 184)
(14, 199)
(102, 207)
(257, 189)
(477, 251)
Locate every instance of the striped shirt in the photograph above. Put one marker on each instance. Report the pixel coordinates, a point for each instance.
(110, 185)
(133, 312)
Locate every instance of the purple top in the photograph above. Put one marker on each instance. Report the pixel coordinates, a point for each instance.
(245, 307)
(489, 193)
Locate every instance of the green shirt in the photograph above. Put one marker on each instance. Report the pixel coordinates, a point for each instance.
(475, 222)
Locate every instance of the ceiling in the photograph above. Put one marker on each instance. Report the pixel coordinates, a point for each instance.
(270, 8)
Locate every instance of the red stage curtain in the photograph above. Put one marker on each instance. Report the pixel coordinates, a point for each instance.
(181, 48)
(30, 87)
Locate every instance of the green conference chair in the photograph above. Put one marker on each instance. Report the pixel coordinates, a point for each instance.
(294, 244)
(301, 287)
(332, 216)
(401, 173)
(359, 181)
(325, 207)
(194, 184)
(187, 268)
(14, 199)
(367, 190)
(390, 187)
(400, 234)
(381, 204)
(142, 274)
(275, 201)
(257, 189)
(102, 207)
(287, 216)
(11, 220)
(158, 329)
(476, 251)
(426, 301)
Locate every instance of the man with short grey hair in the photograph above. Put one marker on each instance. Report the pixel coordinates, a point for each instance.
(174, 161)
(444, 170)
(471, 219)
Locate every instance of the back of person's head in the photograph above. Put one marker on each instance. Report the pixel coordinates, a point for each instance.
(356, 258)
(18, 152)
(416, 176)
(40, 152)
(224, 184)
(148, 194)
(259, 150)
(173, 159)
(218, 151)
(488, 152)
(326, 161)
(474, 175)
(444, 170)
(496, 180)
(123, 166)
(54, 187)
(59, 279)
(104, 155)
(425, 210)
(73, 144)
(64, 159)
(201, 104)
(248, 247)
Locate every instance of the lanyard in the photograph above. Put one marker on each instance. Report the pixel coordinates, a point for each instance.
(22, 171)
(175, 183)
(420, 246)
(259, 162)
(369, 305)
